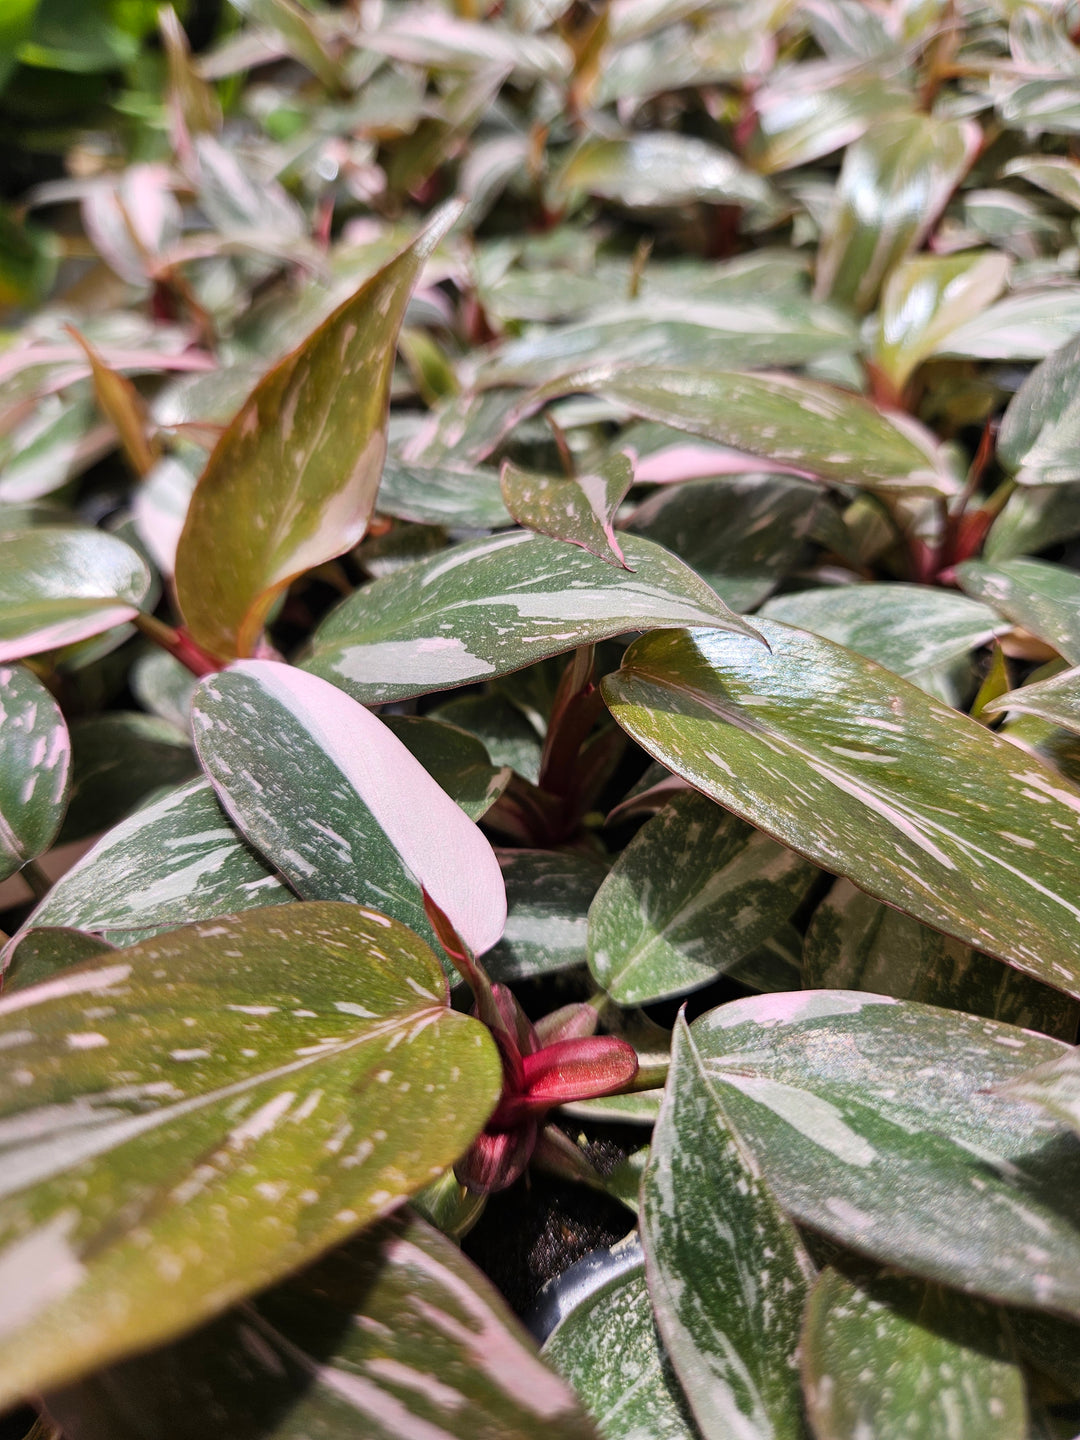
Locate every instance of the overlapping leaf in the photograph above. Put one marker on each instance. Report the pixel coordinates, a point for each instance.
(35, 768)
(548, 894)
(1041, 597)
(1039, 439)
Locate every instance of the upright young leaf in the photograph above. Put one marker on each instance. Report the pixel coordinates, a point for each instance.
(870, 778)
(394, 1335)
(490, 606)
(1041, 597)
(339, 805)
(211, 1110)
(693, 892)
(727, 1272)
(292, 482)
(579, 509)
(893, 184)
(877, 1122)
(818, 429)
(895, 1357)
(35, 768)
(62, 584)
(1039, 439)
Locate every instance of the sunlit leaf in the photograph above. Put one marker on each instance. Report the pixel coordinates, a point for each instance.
(870, 778)
(35, 768)
(60, 585)
(580, 510)
(203, 1123)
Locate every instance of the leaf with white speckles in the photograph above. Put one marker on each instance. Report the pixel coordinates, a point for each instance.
(578, 509)
(1039, 439)
(856, 943)
(906, 628)
(59, 585)
(491, 606)
(694, 891)
(877, 1122)
(338, 803)
(870, 778)
(35, 768)
(896, 1358)
(1055, 1085)
(1056, 699)
(178, 859)
(609, 1349)
(1041, 597)
(432, 495)
(394, 1336)
(548, 893)
(727, 1271)
(189, 1121)
(785, 419)
(293, 480)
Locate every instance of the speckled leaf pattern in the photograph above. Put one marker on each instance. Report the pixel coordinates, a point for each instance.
(1055, 1085)
(548, 894)
(902, 1361)
(292, 482)
(1041, 597)
(490, 606)
(875, 1122)
(655, 170)
(175, 860)
(694, 891)
(742, 534)
(579, 509)
(893, 183)
(1039, 439)
(59, 585)
(871, 779)
(339, 805)
(727, 1272)
(856, 943)
(907, 628)
(1056, 700)
(188, 1122)
(609, 1349)
(432, 495)
(422, 1348)
(785, 419)
(35, 768)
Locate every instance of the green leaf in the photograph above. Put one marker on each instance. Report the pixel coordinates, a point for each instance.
(693, 892)
(727, 1272)
(1054, 1085)
(874, 1123)
(1043, 106)
(38, 954)
(925, 299)
(580, 510)
(338, 803)
(300, 33)
(491, 606)
(657, 170)
(59, 585)
(894, 182)
(1028, 325)
(305, 454)
(785, 419)
(175, 860)
(1034, 517)
(548, 894)
(609, 1349)
(1041, 597)
(507, 735)
(907, 628)
(905, 1358)
(741, 533)
(867, 776)
(807, 111)
(1056, 700)
(395, 1334)
(211, 1110)
(435, 495)
(1056, 174)
(856, 943)
(35, 768)
(1039, 439)
(118, 759)
(455, 760)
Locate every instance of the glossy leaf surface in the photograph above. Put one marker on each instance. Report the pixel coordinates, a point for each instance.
(894, 1354)
(219, 1154)
(874, 1121)
(491, 606)
(1056, 700)
(579, 509)
(1041, 597)
(727, 1272)
(1027, 325)
(1054, 1085)
(59, 585)
(816, 428)
(1039, 439)
(440, 496)
(35, 768)
(305, 454)
(339, 804)
(811, 733)
(693, 892)
(392, 1335)
(655, 170)
(548, 894)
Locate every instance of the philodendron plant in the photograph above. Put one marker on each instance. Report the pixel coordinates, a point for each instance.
(540, 636)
